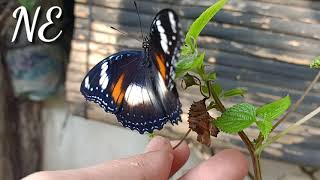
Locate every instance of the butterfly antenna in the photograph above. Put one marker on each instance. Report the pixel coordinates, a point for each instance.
(135, 5)
(124, 33)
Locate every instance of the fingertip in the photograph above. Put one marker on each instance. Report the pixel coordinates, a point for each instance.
(182, 148)
(229, 164)
(156, 164)
(159, 143)
(237, 158)
(181, 155)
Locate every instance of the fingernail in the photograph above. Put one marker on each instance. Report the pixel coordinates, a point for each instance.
(158, 143)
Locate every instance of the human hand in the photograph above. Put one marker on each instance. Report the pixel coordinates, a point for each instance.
(159, 161)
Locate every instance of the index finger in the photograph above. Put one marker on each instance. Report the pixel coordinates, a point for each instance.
(151, 165)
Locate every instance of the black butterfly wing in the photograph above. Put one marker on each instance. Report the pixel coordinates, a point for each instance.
(169, 99)
(165, 43)
(106, 83)
(122, 85)
(143, 98)
(142, 109)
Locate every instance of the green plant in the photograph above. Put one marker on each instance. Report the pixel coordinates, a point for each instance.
(192, 70)
(316, 63)
(29, 4)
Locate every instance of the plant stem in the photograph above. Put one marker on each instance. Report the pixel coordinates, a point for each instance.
(215, 97)
(251, 148)
(200, 85)
(291, 110)
(254, 157)
(184, 137)
(296, 105)
(290, 128)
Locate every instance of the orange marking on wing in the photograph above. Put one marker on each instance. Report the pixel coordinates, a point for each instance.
(117, 92)
(162, 68)
(120, 98)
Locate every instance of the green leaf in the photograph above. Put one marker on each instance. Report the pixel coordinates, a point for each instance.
(198, 25)
(190, 60)
(184, 65)
(236, 118)
(217, 89)
(204, 89)
(202, 73)
(189, 80)
(271, 111)
(29, 4)
(189, 47)
(212, 76)
(212, 105)
(151, 135)
(188, 64)
(198, 62)
(316, 63)
(265, 128)
(234, 92)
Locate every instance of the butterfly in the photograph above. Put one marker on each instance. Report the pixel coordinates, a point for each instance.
(138, 86)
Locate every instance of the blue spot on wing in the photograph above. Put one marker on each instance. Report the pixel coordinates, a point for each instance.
(156, 108)
(97, 85)
(173, 106)
(147, 118)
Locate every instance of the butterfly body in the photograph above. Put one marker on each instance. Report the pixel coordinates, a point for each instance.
(138, 86)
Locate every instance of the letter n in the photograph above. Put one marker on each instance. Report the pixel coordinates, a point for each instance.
(24, 16)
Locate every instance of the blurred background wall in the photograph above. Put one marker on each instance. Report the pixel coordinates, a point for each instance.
(45, 124)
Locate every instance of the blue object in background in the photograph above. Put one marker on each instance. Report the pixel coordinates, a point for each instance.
(37, 71)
